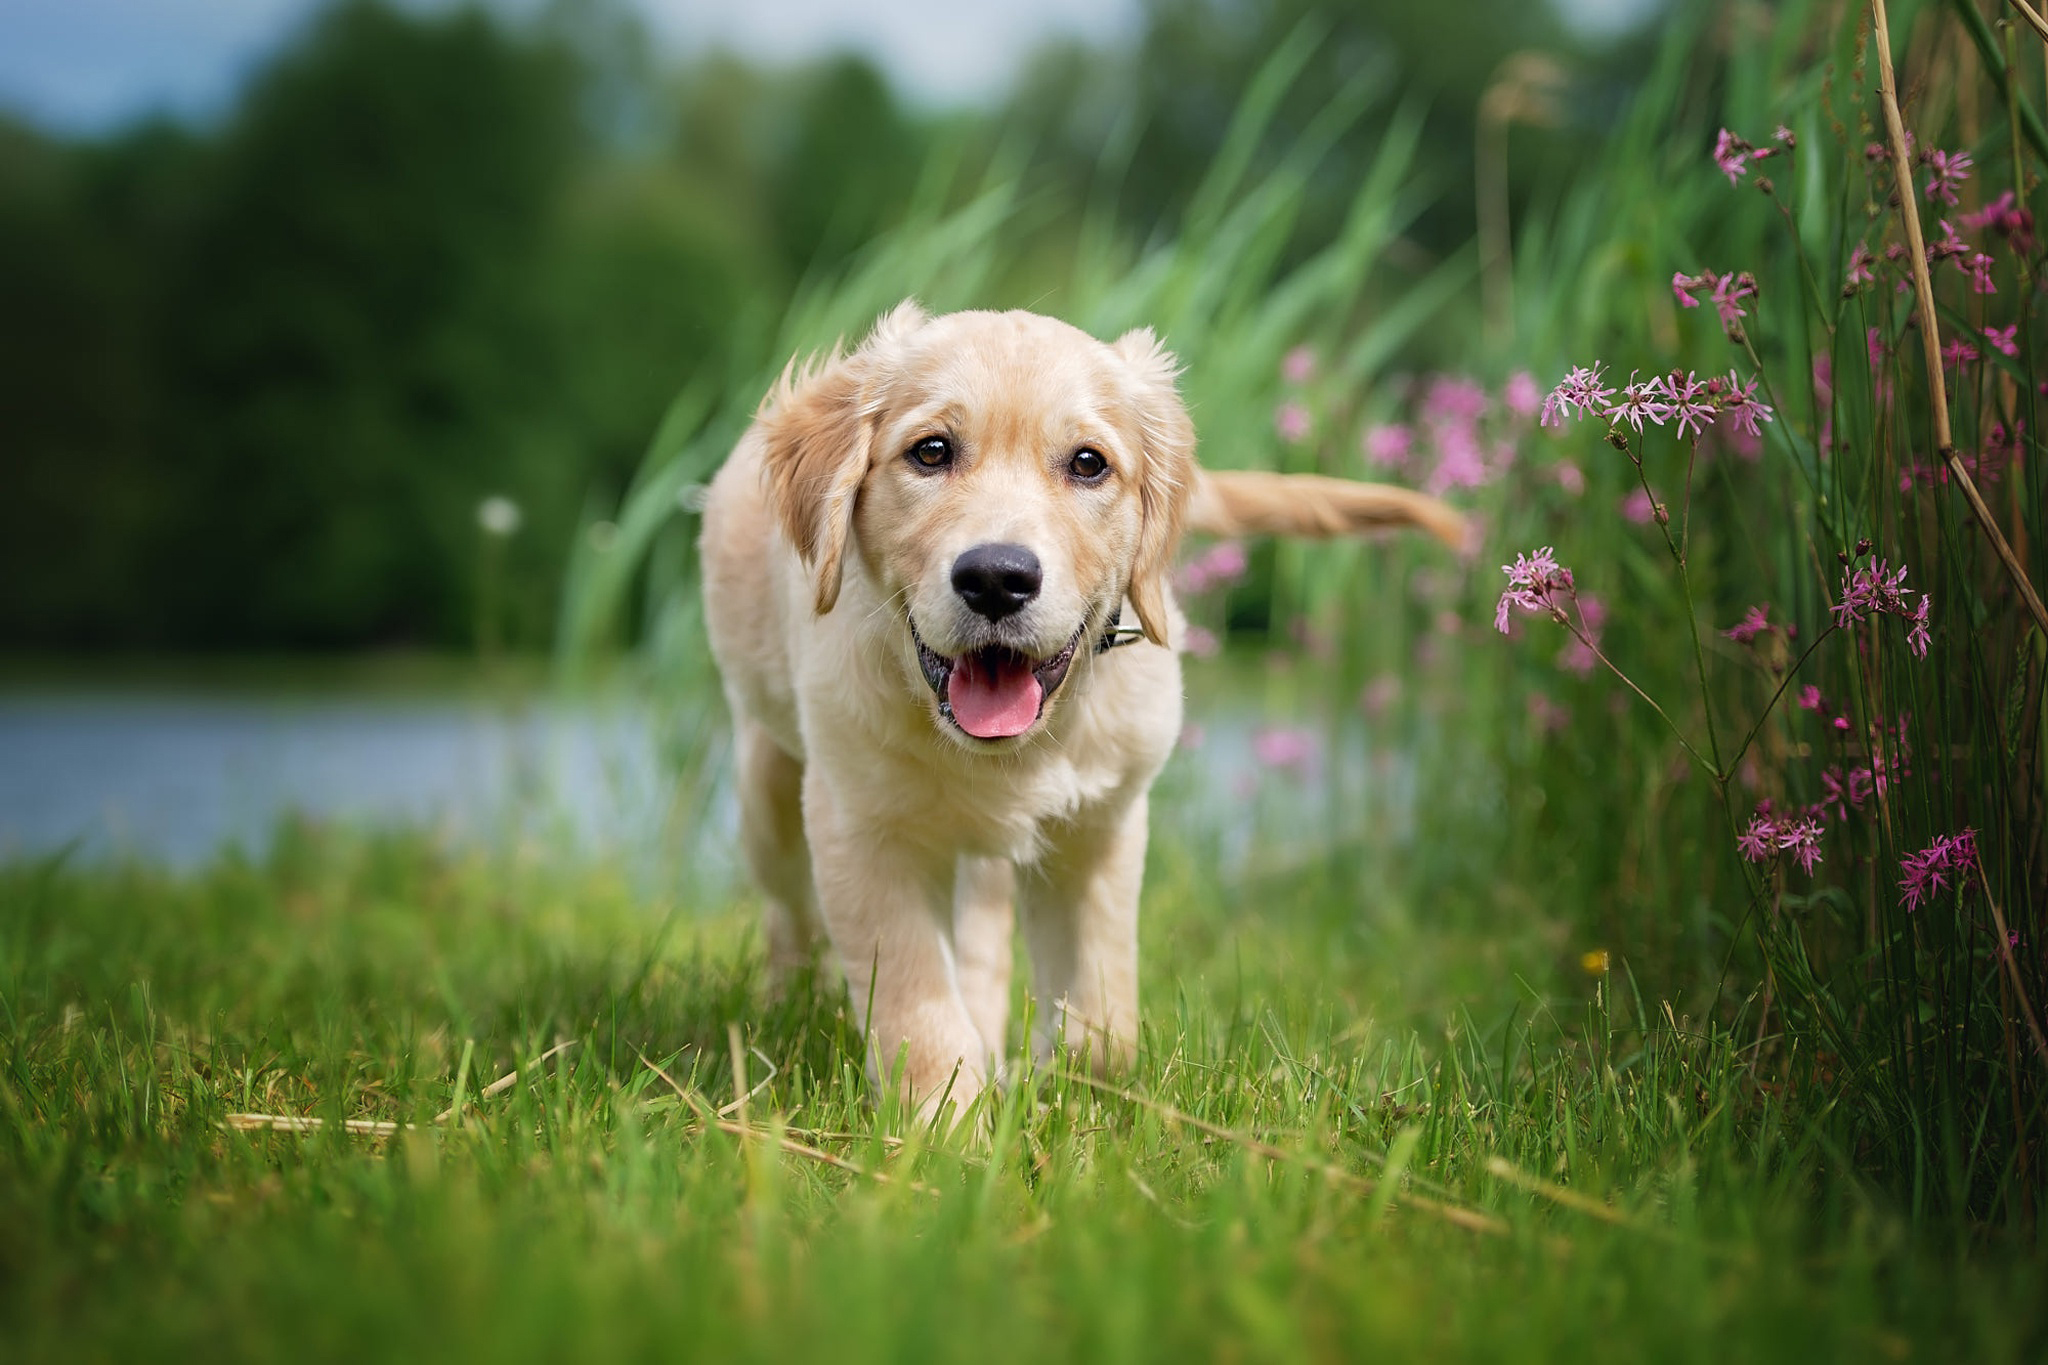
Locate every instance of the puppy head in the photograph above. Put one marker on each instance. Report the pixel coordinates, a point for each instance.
(1007, 480)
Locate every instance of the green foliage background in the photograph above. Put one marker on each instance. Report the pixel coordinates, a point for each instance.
(256, 377)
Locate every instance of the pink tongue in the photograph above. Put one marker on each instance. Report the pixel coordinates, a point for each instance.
(993, 701)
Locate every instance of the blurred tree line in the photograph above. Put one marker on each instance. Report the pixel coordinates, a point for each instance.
(257, 379)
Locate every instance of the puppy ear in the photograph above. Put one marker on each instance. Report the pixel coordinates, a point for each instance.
(817, 429)
(1166, 476)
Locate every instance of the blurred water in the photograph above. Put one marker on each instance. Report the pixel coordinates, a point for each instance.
(175, 777)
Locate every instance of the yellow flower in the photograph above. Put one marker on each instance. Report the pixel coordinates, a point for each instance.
(1595, 962)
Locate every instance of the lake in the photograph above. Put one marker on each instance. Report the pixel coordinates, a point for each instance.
(174, 774)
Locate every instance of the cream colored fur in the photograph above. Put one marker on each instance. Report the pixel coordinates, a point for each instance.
(871, 823)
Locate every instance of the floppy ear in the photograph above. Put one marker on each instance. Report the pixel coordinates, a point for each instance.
(818, 432)
(1166, 476)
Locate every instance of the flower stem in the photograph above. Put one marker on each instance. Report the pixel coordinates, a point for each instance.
(1630, 683)
(1771, 705)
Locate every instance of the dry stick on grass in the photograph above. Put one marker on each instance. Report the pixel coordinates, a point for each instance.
(506, 1081)
(1930, 328)
(2040, 24)
(709, 1117)
(291, 1123)
(1330, 1171)
(1500, 1168)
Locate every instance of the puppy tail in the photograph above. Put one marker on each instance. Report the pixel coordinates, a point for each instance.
(1239, 502)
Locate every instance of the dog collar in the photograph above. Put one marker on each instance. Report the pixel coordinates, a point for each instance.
(1118, 635)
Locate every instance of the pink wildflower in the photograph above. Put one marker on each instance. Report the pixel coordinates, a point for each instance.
(1952, 857)
(1768, 835)
(2004, 339)
(1684, 395)
(1756, 621)
(1729, 292)
(1860, 272)
(1638, 401)
(1810, 699)
(1639, 507)
(1950, 247)
(1731, 154)
(1221, 564)
(1284, 748)
(1298, 366)
(1682, 285)
(1745, 442)
(1979, 267)
(2000, 444)
(1878, 590)
(1957, 354)
(1570, 478)
(1201, 643)
(1453, 399)
(1291, 420)
(1950, 169)
(1520, 395)
(1802, 841)
(1917, 637)
(1536, 583)
(1742, 409)
(1460, 463)
(1379, 694)
(1581, 389)
(2005, 217)
(1388, 444)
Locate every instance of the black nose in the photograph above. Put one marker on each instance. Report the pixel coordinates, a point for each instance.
(996, 580)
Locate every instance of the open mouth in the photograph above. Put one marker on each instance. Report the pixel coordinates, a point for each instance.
(994, 692)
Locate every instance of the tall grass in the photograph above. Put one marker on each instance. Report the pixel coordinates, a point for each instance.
(1909, 1021)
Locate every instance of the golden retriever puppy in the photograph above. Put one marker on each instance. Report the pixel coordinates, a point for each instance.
(920, 563)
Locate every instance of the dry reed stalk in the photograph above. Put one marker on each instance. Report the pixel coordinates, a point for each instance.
(709, 1118)
(2011, 967)
(2033, 17)
(294, 1123)
(1930, 328)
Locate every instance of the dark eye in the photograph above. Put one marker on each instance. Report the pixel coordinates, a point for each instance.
(933, 452)
(1088, 466)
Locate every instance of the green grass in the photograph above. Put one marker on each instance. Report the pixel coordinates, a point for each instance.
(587, 1212)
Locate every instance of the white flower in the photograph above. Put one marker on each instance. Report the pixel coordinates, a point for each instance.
(498, 515)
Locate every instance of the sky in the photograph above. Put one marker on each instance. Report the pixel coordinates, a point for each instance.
(88, 66)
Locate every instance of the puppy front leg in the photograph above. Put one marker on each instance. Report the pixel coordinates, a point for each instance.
(888, 907)
(984, 895)
(1080, 913)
